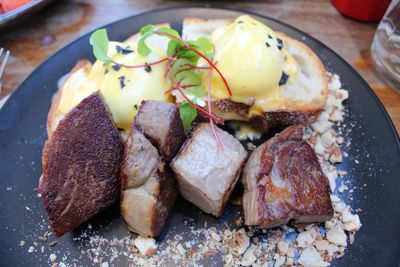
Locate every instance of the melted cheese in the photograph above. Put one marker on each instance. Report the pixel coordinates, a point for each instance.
(123, 89)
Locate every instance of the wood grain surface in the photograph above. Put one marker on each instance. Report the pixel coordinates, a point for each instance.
(41, 35)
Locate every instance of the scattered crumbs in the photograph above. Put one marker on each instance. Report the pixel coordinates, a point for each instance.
(31, 249)
(9, 188)
(251, 146)
(53, 243)
(52, 257)
(21, 243)
(27, 208)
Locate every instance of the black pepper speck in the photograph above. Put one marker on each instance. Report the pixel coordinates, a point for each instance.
(284, 79)
(116, 67)
(267, 44)
(147, 67)
(124, 51)
(121, 81)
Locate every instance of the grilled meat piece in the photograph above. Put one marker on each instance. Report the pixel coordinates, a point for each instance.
(283, 181)
(148, 187)
(81, 165)
(161, 124)
(206, 174)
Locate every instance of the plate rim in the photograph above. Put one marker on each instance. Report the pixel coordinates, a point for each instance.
(210, 6)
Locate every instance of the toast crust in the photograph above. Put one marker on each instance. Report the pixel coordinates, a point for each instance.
(55, 116)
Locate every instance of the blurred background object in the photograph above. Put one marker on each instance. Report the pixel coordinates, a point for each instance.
(13, 11)
(385, 47)
(363, 10)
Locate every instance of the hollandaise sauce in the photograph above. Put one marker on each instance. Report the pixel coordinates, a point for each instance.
(254, 61)
(122, 88)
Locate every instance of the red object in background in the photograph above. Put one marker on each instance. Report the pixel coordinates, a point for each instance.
(364, 10)
(8, 5)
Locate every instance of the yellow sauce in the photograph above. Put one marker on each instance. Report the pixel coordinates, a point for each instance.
(123, 89)
(252, 59)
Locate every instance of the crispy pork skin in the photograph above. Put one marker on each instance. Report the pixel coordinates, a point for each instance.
(206, 173)
(81, 165)
(161, 124)
(148, 187)
(283, 181)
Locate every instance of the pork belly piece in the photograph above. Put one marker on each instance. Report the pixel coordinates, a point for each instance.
(283, 181)
(81, 165)
(161, 124)
(206, 174)
(148, 187)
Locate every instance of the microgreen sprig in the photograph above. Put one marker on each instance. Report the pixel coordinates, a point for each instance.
(182, 70)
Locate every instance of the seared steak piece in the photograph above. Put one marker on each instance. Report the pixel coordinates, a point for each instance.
(283, 181)
(81, 165)
(206, 174)
(148, 187)
(161, 124)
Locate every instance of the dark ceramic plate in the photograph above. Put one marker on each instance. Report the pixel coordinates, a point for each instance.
(375, 145)
(17, 14)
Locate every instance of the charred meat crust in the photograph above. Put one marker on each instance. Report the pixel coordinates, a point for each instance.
(165, 200)
(303, 192)
(81, 165)
(162, 125)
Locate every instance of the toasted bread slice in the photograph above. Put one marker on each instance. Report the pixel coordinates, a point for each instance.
(80, 71)
(304, 97)
(81, 165)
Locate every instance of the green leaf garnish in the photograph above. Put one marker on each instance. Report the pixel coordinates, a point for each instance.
(169, 31)
(187, 113)
(172, 46)
(99, 41)
(147, 28)
(143, 49)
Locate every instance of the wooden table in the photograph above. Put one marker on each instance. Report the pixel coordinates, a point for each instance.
(44, 33)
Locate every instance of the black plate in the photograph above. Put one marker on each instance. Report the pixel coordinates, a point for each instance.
(374, 144)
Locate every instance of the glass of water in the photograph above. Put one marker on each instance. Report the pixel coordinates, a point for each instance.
(385, 47)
